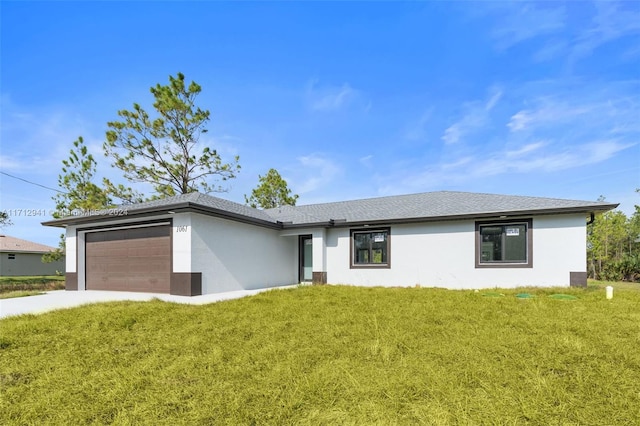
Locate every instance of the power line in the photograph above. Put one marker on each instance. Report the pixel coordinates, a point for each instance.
(32, 183)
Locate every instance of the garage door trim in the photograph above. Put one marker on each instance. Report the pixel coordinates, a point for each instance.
(119, 226)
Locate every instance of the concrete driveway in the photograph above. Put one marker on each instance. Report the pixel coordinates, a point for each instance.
(61, 299)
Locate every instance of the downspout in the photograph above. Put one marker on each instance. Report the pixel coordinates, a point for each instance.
(593, 266)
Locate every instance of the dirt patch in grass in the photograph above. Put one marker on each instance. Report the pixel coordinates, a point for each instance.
(32, 279)
(46, 283)
(330, 355)
(12, 294)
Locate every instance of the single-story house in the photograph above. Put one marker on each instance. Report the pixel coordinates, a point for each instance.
(21, 257)
(194, 244)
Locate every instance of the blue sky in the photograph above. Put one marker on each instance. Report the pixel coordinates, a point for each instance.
(346, 99)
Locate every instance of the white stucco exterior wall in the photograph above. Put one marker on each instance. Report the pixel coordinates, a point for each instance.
(319, 250)
(442, 254)
(237, 256)
(181, 234)
(71, 250)
(561, 246)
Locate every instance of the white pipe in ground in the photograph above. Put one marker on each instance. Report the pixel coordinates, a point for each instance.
(609, 292)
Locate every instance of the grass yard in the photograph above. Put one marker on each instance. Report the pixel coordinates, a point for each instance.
(330, 355)
(17, 286)
(617, 285)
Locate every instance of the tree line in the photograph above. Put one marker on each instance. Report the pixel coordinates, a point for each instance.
(613, 246)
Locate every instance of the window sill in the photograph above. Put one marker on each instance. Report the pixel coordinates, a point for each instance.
(371, 266)
(503, 265)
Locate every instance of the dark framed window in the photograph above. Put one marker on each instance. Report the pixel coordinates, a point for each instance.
(504, 244)
(371, 248)
(11, 256)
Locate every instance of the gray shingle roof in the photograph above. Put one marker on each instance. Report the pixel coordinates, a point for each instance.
(426, 206)
(429, 205)
(197, 198)
(13, 244)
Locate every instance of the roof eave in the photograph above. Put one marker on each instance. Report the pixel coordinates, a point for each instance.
(237, 217)
(467, 216)
(79, 220)
(321, 224)
(212, 211)
(168, 209)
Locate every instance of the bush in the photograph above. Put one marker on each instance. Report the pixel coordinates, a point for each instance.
(625, 269)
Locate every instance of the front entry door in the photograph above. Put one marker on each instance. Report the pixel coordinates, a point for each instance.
(305, 249)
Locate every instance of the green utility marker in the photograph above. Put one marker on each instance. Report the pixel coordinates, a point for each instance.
(525, 296)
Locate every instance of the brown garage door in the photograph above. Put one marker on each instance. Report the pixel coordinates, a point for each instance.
(137, 259)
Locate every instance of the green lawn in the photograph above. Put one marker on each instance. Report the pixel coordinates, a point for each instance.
(330, 355)
(617, 285)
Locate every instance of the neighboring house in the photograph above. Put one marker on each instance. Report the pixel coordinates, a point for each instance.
(21, 257)
(195, 244)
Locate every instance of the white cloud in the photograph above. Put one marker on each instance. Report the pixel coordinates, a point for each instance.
(631, 54)
(457, 163)
(609, 23)
(8, 163)
(521, 21)
(315, 172)
(416, 129)
(502, 163)
(601, 111)
(453, 133)
(497, 95)
(39, 139)
(598, 151)
(520, 120)
(226, 145)
(526, 149)
(475, 117)
(573, 30)
(366, 160)
(538, 157)
(551, 50)
(330, 98)
(43, 138)
(564, 125)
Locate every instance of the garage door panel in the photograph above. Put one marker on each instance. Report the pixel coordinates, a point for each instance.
(142, 244)
(158, 268)
(137, 259)
(148, 252)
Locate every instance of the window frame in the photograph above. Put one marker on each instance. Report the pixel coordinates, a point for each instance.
(352, 254)
(528, 263)
(11, 256)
